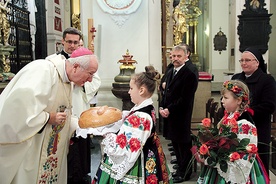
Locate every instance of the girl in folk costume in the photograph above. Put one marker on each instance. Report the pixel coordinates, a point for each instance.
(134, 154)
(243, 165)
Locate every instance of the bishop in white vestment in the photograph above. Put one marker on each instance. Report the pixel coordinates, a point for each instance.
(32, 150)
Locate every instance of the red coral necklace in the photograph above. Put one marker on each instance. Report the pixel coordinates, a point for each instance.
(229, 117)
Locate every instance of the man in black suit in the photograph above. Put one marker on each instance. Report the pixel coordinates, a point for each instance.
(181, 85)
(162, 91)
(188, 62)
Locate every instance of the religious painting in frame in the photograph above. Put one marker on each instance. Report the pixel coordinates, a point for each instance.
(57, 25)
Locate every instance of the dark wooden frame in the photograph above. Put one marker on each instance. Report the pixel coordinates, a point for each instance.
(254, 27)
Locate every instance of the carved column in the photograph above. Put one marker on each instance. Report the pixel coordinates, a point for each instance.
(193, 12)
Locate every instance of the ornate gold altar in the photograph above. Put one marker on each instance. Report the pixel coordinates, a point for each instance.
(5, 48)
(180, 18)
(4, 22)
(4, 52)
(121, 85)
(185, 15)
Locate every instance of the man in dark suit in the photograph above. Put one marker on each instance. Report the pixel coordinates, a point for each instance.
(181, 85)
(188, 62)
(162, 91)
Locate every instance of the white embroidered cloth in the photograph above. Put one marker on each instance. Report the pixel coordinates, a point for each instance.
(239, 170)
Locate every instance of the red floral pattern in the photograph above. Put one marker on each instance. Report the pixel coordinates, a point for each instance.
(245, 128)
(146, 124)
(49, 173)
(121, 140)
(254, 131)
(231, 122)
(136, 128)
(234, 125)
(235, 130)
(134, 144)
(134, 121)
(151, 179)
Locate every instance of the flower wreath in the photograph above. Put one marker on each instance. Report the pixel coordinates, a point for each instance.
(239, 92)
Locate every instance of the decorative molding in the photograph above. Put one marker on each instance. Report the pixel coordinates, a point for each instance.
(119, 10)
(119, 7)
(254, 7)
(57, 10)
(120, 19)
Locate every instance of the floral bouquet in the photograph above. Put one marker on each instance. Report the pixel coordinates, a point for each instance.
(215, 146)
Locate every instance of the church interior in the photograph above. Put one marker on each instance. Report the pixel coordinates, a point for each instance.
(217, 31)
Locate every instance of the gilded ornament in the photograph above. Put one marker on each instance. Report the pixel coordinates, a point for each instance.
(4, 22)
(150, 165)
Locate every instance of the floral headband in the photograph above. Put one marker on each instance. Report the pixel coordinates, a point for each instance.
(239, 92)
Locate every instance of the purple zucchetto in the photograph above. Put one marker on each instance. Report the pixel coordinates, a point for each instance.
(81, 52)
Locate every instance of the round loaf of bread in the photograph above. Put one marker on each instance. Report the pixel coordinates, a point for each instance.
(99, 116)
